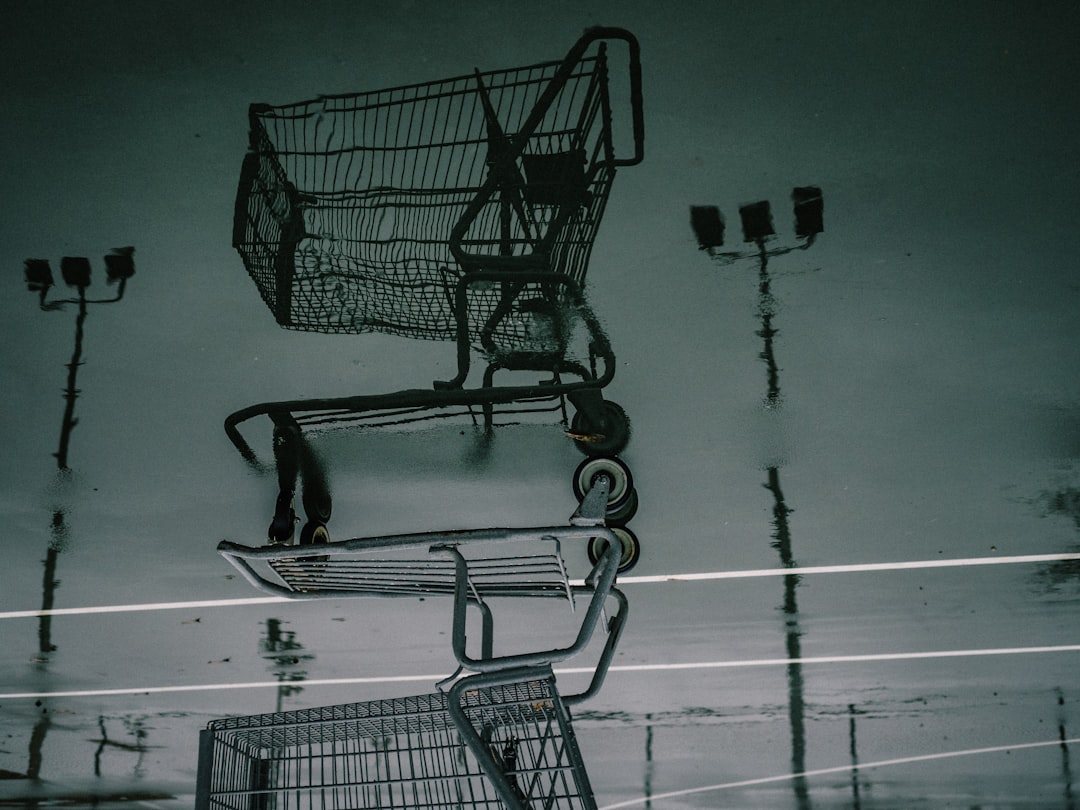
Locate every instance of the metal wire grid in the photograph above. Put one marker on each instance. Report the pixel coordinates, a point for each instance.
(401, 753)
(533, 575)
(347, 205)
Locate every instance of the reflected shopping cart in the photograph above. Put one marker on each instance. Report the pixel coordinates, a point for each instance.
(494, 741)
(462, 210)
(500, 737)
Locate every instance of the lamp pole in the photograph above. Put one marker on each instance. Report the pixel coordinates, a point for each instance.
(757, 229)
(75, 271)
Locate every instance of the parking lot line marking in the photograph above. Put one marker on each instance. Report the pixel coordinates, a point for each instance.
(145, 607)
(702, 576)
(851, 568)
(623, 668)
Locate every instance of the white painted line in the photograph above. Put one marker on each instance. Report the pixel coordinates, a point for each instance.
(833, 659)
(1025, 559)
(625, 668)
(213, 687)
(883, 763)
(854, 568)
(143, 607)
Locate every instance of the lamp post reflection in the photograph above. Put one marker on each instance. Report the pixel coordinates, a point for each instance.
(757, 229)
(856, 802)
(648, 761)
(136, 728)
(75, 271)
(1066, 768)
(281, 648)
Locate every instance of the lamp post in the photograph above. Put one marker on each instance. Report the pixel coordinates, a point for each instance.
(281, 647)
(758, 230)
(76, 272)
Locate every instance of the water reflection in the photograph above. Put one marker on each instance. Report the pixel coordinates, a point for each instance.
(118, 755)
(37, 743)
(286, 654)
(76, 273)
(1066, 768)
(295, 461)
(856, 802)
(135, 728)
(1063, 502)
(647, 792)
(463, 210)
(758, 230)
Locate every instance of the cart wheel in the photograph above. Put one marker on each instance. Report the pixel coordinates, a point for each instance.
(631, 548)
(621, 516)
(284, 522)
(622, 483)
(606, 438)
(314, 533)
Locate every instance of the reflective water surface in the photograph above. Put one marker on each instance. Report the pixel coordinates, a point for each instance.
(861, 420)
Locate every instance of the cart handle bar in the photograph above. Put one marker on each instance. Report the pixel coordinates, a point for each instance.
(601, 581)
(636, 98)
(520, 138)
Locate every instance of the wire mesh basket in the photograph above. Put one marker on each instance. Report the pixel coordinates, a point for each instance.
(363, 212)
(502, 741)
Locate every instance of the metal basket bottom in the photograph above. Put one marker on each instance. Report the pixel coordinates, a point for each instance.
(400, 753)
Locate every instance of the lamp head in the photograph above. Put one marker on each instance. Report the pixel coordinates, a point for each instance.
(708, 225)
(39, 276)
(757, 221)
(76, 271)
(809, 208)
(120, 264)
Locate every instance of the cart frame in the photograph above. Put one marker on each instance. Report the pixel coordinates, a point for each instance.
(522, 575)
(495, 253)
(416, 750)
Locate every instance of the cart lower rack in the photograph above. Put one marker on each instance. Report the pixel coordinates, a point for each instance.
(493, 741)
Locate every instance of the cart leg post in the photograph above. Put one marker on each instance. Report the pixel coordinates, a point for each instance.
(206, 770)
(287, 460)
(593, 506)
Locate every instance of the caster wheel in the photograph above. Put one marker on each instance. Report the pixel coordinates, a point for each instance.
(283, 525)
(314, 533)
(318, 506)
(631, 548)
(608, 437)
(621, 516)
(622, 497)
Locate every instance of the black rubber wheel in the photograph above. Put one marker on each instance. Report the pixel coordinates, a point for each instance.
(622, 482)
(608, 437)
(314, 533)
(631, 548)
(622, 515)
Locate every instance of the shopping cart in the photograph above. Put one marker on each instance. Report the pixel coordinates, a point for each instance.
(462, 210)
(500, 738)
(493, 741)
